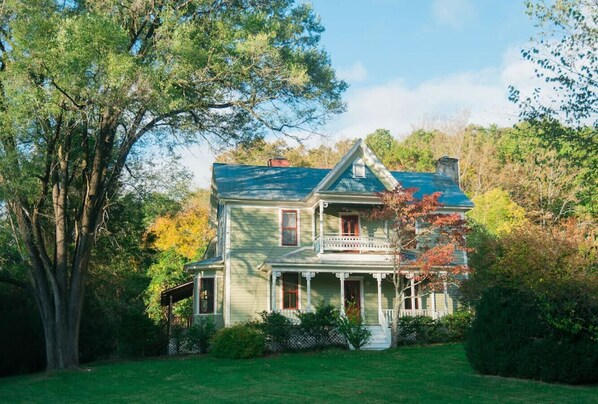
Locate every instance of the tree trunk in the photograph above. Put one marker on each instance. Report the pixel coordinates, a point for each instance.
(395, 319)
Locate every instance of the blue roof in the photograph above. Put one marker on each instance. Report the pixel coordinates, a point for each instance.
(295, 183)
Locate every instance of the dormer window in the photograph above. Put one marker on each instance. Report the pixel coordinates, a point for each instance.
(359, 169)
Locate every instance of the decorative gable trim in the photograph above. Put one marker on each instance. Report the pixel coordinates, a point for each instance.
(358, 151)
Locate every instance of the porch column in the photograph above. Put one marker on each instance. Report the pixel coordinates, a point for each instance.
(308, 276)
(434, 314)
(321, 227)
(275, 274)
(445, 297)
(342, 276)
(379, 276)
(196, 292)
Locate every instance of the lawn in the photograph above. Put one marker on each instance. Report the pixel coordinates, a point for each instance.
(412, 374)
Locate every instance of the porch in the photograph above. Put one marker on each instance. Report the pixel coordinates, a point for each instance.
(372, 293)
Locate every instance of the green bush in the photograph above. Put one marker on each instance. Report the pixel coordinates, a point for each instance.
(353, 329)
(198, 337)
(456, 325)
(321, 322)
(420, 330)
(510, 336)
(276, 328)
(240, 341)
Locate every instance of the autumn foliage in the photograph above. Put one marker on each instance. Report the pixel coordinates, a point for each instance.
(424, 241)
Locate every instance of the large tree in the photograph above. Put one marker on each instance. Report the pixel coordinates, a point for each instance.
(564, 54)
(83, 84)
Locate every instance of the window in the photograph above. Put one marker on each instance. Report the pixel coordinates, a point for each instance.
(289, 227)
(359, 169)
(411, 296)
(206, 296)
(290, 291)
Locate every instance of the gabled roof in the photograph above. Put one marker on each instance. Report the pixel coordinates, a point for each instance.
(261, 183)
(375, 166)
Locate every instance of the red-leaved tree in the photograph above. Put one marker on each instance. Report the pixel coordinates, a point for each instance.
(423, 240)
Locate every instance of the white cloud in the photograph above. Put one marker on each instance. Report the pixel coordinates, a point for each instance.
(400, 108)
(452, 13)
(356, 73)
(477, 97)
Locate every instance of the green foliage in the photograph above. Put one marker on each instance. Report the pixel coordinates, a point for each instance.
(321, 322)
(511, 337)
(276, 328)
(241, 341)
(457, 325)
(420, 330)
(166, 272)
(200, 334)
(21, 333)
(497, 212)
(353, 329)
(425, 330)
(565, 59)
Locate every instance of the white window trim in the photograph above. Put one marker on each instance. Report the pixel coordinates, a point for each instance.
(298, 212)
(358, 164)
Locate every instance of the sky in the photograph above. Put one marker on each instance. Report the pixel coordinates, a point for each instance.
(417, 63)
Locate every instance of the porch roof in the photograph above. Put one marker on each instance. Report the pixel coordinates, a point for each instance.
(214, 263)
(306, 257)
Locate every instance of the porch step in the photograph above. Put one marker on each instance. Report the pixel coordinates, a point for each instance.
(378, 341)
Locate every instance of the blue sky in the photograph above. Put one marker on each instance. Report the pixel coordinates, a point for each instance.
(418, 63)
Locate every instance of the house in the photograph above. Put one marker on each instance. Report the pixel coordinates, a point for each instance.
(289, 238)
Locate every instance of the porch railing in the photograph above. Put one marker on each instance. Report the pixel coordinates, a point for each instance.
(389, 313)
(352, 243)
(290, 314)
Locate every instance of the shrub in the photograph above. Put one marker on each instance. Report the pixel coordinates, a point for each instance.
(321, 322)
(456, 325)
(353, 329)
(420, 329)
(276, 328)
(198, 337)
(510, 336)
(240, 341)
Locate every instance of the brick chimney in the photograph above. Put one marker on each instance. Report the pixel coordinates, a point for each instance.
(278, 162)
(448, 167)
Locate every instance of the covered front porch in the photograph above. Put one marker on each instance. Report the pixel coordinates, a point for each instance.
(369, 293)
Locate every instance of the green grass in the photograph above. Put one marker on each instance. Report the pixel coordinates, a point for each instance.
(412, 374)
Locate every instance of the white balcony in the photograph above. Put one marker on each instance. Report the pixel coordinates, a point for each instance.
(336, 243)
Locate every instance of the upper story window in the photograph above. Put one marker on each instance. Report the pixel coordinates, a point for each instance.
(359, 169)
(289, 227)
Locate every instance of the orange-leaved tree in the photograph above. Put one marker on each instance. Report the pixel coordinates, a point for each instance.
(424, 241)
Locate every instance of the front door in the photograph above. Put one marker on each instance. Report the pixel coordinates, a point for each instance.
(353, 298)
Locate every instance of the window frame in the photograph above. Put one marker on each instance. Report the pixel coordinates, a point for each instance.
(296, 292)
(283, 228)
(201, 291)
(358, 165)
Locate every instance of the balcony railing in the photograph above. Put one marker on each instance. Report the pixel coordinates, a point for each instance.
(352, 243)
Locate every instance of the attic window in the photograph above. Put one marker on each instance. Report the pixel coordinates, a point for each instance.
(359, 169)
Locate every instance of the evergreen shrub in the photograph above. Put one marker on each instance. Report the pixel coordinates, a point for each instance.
(511, 336)
(276, 328)
(241, 341)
